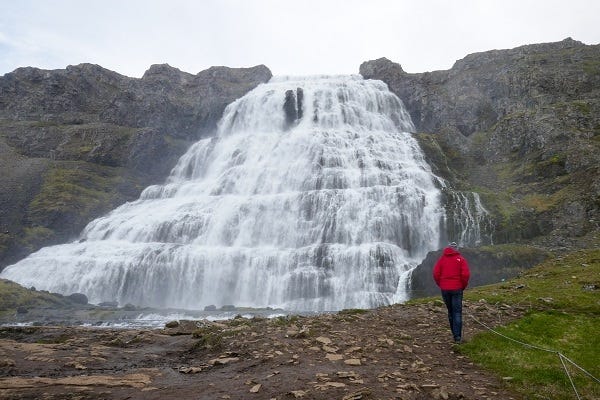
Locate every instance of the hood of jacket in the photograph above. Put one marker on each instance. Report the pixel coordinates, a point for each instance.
(450, 251)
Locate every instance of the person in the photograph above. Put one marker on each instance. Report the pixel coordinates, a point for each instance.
(451, 273)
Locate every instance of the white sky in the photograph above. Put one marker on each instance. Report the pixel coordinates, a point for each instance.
(297, 37)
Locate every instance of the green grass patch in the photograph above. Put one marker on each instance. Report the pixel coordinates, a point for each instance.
(562, 283)
(563, 297)
(353, 311)
(13, 296)
(540, 374)
(285, 320)
(211, 337)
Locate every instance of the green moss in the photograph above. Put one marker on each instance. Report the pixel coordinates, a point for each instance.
(539, 202)
(34, 236)
(445, 160)
(177, 143)
(582, 106)
(84, 149)
(591, 67)
(211, 337)
(44, 124)
(353, 311)
(13, 296)
(72, 191)
(285, 320)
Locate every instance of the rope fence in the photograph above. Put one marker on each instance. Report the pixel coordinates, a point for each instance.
(561, 356)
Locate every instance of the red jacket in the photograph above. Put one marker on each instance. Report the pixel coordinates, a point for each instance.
(451, 272)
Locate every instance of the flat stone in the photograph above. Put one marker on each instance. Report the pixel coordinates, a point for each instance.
(192, 370)
(352, 361)
(7, 362)
(347, 374)
(223, 361)
(333, 357)
(255, 388)
(323, 340)
(358, 395)
(298, 393)
(353, 349)
(329, 349)
(327, 385)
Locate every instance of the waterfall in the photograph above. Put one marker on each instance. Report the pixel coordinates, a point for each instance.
(468, 222)
(312, 196)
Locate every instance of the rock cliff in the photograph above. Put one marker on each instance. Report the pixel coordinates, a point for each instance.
(75, 143)
(519, 126)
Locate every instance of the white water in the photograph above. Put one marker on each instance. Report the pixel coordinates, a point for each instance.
(470, 223)
(328, 213)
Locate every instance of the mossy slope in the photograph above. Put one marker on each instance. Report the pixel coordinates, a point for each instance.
(563, 299)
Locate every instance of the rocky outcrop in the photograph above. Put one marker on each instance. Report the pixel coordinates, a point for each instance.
(482, 88)
(77, 142)
(521, 128)
(171, 101)
(293, 106)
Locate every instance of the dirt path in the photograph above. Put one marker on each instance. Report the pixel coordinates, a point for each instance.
(396, 352)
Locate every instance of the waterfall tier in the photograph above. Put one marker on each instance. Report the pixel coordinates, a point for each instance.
(312, 196)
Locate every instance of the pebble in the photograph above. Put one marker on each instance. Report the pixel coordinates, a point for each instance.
(323, 340)
(255, 388)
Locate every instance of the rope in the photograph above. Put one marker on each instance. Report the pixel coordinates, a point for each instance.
(514, 340)
(561, 356)
(582, 370)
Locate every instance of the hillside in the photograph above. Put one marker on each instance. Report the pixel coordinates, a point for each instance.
(77, 142)
(522, 128)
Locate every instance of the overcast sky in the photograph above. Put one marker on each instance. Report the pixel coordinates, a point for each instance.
(297, 37)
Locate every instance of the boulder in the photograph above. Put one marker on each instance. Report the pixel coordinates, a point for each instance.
(78, 298)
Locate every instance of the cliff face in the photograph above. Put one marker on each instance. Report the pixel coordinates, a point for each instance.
(77, 142)
(171, 101)
(522, 128)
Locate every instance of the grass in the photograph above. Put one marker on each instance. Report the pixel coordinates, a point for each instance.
(563, 299)
(211, 337)
(540, 374)
(73, 191)
(13, 296)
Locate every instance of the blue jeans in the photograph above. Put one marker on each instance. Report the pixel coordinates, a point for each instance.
(453, 301)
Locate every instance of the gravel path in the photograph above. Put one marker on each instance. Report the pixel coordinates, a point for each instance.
(396, 352)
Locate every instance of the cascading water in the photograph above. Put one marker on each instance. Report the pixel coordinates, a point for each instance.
(313, 196)
(469, 223)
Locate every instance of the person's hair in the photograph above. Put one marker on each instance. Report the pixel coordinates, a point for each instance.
(453, 245)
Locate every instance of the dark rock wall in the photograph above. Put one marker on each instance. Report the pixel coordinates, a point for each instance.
(482, 88)
(522, 128)
(77, 142)
(165, 98)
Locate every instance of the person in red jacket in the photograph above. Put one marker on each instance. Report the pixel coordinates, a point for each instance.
(451, 273)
